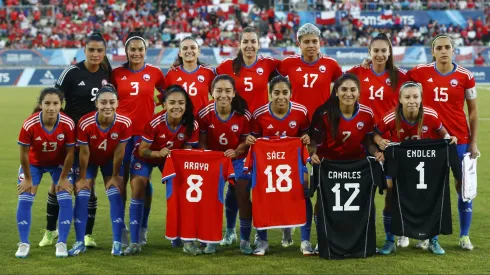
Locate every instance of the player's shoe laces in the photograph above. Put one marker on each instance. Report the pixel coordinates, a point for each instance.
(435, 247)
(90, 241)
(229, 238)
(143, 236)
(423, 244)
(78, 248)
(245, 247)
(191, 248)
(23, 250)
(287, 237)
(388, 248)
(125, 238)
(306, 248)
(403, 241)
(61, 250)
(262, 248)
(465, 243)
(132, 249)
(176, 242)
(117, 249)
(48, 238)
(210, 248)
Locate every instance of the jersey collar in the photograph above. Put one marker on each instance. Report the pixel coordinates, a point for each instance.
(454, 69)
(356, 111)
(253, 64)
(219, 118)
(142, 68)
(406, 121)
(98, 124)
(42, 123)
(274, 116)
(189, 72)
(312, 63)
(376, 74)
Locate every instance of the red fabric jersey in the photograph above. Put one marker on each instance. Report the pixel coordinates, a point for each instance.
(47, 148)
(347, 144)
(224, 134)
(102, 143)
(197, 84)
(310, 81)
(195, 180)
(430, 129)
(376, 92)
(277, 166)
(251, 83)
(265, 123)
(136, 93)
(158, 133)
(446, 94)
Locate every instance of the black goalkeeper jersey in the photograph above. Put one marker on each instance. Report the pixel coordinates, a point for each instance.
(421, 192)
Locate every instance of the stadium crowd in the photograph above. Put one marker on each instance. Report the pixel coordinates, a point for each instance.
(66, 23)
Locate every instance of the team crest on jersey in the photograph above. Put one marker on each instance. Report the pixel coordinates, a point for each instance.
(260, 71)
(360, 125)
(137, 166)
(60, 137)
(104, 82)
(292, 124)
(388, 82)
(234, 128)
(200, 78)
(322, 68)
(425, 129)
(454, 82)
(146, 77)
(181, 136)
(114, 135)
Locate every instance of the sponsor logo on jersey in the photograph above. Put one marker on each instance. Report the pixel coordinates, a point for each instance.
(104, 82)
(211, 126)
(388, 82)
(299, 69)
(60, 137)
(260, 71)
(81, 83)
(322, 69)
(360, 125)
(425, 129)
(114, 135)
(163, 136)
(181, 136)
(402, 131)
(292, 124)
(137, 166)
(179, 79)
(234, 128)
(200, 78)
(146, 77)
(39, 138)
(270, 126)
(430, 80)
(366, 79)
(454, 82)
(123, 78)
(93, 137)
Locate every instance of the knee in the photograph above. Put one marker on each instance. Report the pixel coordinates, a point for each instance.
(138, 187)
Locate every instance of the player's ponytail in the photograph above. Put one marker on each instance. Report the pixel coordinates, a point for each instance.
(178, 60)
(105, 65)
(399, 109)
(238, 104)
(188, 116)
(44, 93)
(136, 35)
(390, 63)
(238, 61)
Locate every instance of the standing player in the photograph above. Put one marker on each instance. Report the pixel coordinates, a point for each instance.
(79, 84)
(446, 87)
(224, 126)
(136, 82)
(282, 117)
(102, 136)
(47, 141)
(174, 129)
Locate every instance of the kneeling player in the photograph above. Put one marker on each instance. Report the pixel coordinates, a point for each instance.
(409, 120)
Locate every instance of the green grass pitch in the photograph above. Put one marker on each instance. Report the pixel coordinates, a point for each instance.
(159, 257)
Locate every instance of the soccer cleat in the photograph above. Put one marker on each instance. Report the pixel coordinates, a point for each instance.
(316, 249)
(229, 238)
(177, 242)
(89, 241)
(287, 237)
(78, 248)
(132, 249)
(210, 248)
(125, 238)
(403, 241)
(245, 248)
(48, 238)
(465, 243)
(117, 249)
(262, 248)
(435, 247)
(23, 250)
(61, 250)
(256, 240)
(143, 235)
(388, 248)
(191, 248)
(423, 244)
(306, 248)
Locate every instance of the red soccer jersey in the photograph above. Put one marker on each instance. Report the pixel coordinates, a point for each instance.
(158, 133)
(47, 148)
(136, 93)
(347, 144)
(376, 92)
(310, 81)
(430, 129)
(446, 94)
(277, 167)
(224, 134)
(102, 143)
(197, 84)
(265, 123)
(251, 83)
(195, 181)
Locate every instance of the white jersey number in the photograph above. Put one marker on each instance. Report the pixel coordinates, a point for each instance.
(136, 88)
(440, 94)
(49, 147)
(194, 193)
(313, 78)
(283, 171)
(94, 93)
(347, 206)
(103, 145)
(191, 90)
(420, 168)
(249, 86)
(378, 93)
(223, 140)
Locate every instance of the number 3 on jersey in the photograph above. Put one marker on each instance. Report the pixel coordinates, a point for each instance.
(282, 177)
(136, 88)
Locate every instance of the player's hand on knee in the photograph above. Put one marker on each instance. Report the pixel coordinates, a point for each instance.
(65, 184)
(24, 186)
(82, 184)
(116, 181)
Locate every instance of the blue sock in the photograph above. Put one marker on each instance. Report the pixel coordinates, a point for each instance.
(146, 210)
(135, 217)
(262, 234)
(24, 209)
(435, 238)
(245, 229)
(116, 205)
(81, 214)
(306, 229)
(387, 225)
(231, 207)
(65, 216)
(465, 210)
